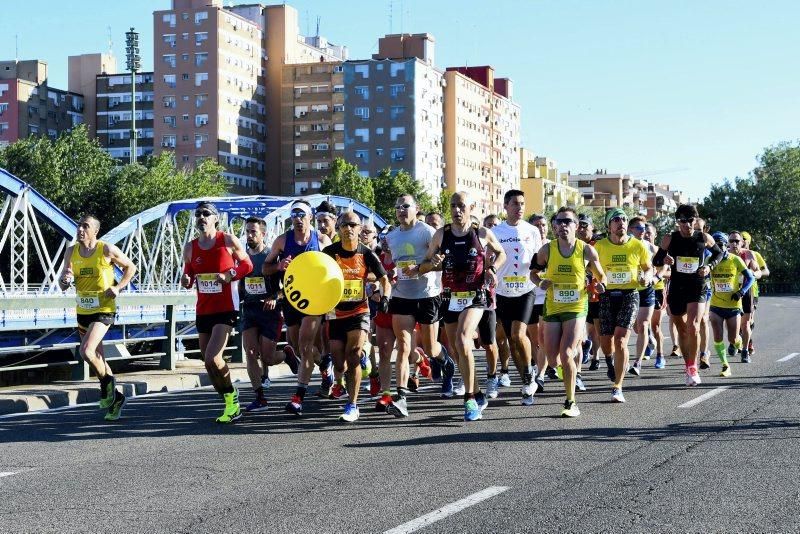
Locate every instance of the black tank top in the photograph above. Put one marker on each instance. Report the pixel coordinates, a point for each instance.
(689, 255)
(464, 259)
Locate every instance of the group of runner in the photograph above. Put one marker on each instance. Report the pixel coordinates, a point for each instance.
(429, 293)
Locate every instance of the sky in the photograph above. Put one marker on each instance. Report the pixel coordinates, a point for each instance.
(686, 93)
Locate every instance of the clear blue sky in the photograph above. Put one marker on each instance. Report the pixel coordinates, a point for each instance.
(693, 88)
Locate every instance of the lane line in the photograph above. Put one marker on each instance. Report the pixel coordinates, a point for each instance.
(789, 357)
(7, 473)
(447, 510)
(705, 396)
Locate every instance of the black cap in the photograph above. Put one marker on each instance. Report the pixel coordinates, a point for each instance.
(584, 217)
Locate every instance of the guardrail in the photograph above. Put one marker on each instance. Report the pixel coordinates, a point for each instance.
(778, 288)
(150, 318)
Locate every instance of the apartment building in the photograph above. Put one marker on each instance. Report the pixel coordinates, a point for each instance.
(209, 89)
(481, 135)
(545, 188)
(393, 108)
(83, 70)
(29, 106)
(113, 115)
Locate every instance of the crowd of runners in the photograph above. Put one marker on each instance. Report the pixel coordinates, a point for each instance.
(546, 295)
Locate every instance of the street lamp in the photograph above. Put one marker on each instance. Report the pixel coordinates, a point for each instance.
(134, 64)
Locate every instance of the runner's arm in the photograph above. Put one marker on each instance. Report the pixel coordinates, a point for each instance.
(66, 271)
(494, 245)
(244, 265)
(539, 264)
(188, 269)
(590, 255)
(116, 256)
(271, 265)
(433, 260)
(661, 255)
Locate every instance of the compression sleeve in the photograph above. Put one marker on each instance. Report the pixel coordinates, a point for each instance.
(749, 278)
(658, 259)
(188, 269)
(716, 256)
(243, 268)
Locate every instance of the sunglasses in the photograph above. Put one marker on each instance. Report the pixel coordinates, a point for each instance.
(298, 214)
(686, 220)
(203, 213)
(565, 221)
(367, 232)
(583, 225)
(350, 225)
(619, 219)
(734, 241)
(403, 206)
(640, 228)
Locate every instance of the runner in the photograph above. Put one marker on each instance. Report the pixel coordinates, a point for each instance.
(301, 329)
(566, 304)
(662, 274)
(494, 343)
(684, 249)
(88, 264)
(459, 250)
(752, 296)
(325, 217)
(535, 333)
(369, 362)
(736, 240)
(647, 298)
(701, 225)
(726, 300)
(416, 298)
(384, 338)
(520, 241)
(591, 345)
(261, 320)
(349, 323)
(211, 262)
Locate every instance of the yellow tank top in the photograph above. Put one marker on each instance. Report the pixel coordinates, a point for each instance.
(567, 293)
(621, 263)
(725, 280)
(93, 275)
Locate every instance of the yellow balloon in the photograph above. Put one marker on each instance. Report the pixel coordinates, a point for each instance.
(313, 283)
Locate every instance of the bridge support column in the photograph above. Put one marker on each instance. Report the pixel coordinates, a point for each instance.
(170, 358)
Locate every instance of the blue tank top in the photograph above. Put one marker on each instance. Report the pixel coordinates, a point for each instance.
(291, 248)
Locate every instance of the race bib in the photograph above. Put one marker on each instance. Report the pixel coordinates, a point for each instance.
(618, 276)
(400, 265)
(460, 300)
(514, 283)
(566, 293)
(723, 287)
(88, 300)
(353, 291)
(208, 284)
(255, 285)
(687, 265)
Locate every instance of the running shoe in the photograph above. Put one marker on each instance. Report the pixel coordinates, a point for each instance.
(570, 409)
(660, 362)
(290, 358)
(295, 405)
(326, 371)
(528, 386)
(610, 371)
(579, 383)
(505, 380)
(539, 384)
(587, 351)
(480, 400)
(459, 389)
(374, 384)
(423, 365)
(738, 343)
(366, 366)
(382, 403)
(492, 385)
(413, 382)
(259, 404)
(594, 365)
(448, 370)
(398, 407)
(338, 391)
(692, 377)
(350, 414)
(115, 410)
(265, 382)
(108, 394)
(551, 373)
(704, 363)
(731, 350)
(472, 411)
(232, 410)
(745, 356)
(436, 370)
(676, 352)
(726, 371)
(616, 395)
(651, 346)
(528, 400)
(636, 368)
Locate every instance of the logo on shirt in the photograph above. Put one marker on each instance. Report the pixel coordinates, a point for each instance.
(619, 258)
(565, 268)
(473, 252)
(86, 271)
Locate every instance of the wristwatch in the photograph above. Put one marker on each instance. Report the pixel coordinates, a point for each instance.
(232, 272)
(492, 268)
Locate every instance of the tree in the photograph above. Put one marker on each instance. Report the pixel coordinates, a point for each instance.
(389, 186)
(443, 205)
(345, 180)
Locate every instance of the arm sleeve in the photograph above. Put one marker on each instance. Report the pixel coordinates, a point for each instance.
(749, 278)
(374, 264)
(243, 268)
(188, 269)
(658, 259)
(716, 256)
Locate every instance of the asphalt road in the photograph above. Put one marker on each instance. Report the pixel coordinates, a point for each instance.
(728, 463)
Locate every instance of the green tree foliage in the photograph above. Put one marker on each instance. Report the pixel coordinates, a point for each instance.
(388, 187)
(443, 205)
(767, 204)
(345, 180)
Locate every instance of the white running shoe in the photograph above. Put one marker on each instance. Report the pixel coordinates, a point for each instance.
(491, 387)
(505, 380)
(459, 389)
(617, 396)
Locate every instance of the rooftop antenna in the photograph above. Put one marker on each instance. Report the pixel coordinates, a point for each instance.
(318, 21)
(391, 9)
(110, 42)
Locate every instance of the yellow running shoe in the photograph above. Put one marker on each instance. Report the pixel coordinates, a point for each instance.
(726, 371)
(232, 410)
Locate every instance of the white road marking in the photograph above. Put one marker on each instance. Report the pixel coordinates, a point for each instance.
(447, 510)
(789, 357)
(705, 396)
(7, 473)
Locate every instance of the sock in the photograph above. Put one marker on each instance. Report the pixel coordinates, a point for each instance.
(301, 390)
(228, 389)
(341, 380)
(468, 396)
(386, 392)
(402, 392)
(479, 395)
(570, 399)
(738, 343)
(720, 350)
(529, 370)
(494, 375)
(504, 371)
(106, 380)
(259, 392)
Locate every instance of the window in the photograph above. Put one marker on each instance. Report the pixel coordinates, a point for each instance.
(200, 16)
(338, 68)
(185, 116)
(169, 38)
(169, 102)
(379, 131)
(396, 132)
(338, 88)
(379, 89)
(362, 90)
(170, 120)
(363, 133)
(3, 108)
(185, 57)
(169, 79)
(185, 75)
(338, 146)
(3, 127)
(168, 141)
(363, 155)
(338, 108)
(338, 127)
(397, 88)
(169, 59)
(199, 139)
(397, 111)
(200, 120)
(398, 154)
(199, 100)
(169, 18)
(200, 58)
(200, 77)
(199, 37)
(362, 112)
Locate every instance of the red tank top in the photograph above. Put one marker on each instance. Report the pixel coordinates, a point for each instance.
(213, 296)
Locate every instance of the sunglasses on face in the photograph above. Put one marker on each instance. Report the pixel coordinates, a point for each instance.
(566, 221)
(350, 225)
(686, 220)
(639, 228)
(734, 241)
(299, 214)
(203, 213)
(619, 219)
(403, 206)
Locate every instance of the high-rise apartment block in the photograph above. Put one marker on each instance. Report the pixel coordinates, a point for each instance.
(29, 106)
(82, 80)
(482, 136)
(113, 116)
(394, 111)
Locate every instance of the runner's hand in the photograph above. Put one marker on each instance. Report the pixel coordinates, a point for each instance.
(224, 278)
(186, 281)
(66, 280)
(600, 288)
(437, 260)
(544, 284)
(383, 307)
(284, 263)
(270, 304)
(669, 260)
(703, 271)
(112, 292)
(736, 296)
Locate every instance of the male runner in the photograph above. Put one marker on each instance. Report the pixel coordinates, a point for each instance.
(647, 298)
(301, 329)
(627, 264)
(89, 265)
(211, 262)
(735, 240)
(684, 250)
(520, 241)
(752, 296)
(416, 298)
(659, 285)
(261, 319)
(349, 322)
(566, 304)
(459, 250)
(591, 345)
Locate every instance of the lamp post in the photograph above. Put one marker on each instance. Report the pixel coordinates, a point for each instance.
(134, 65)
